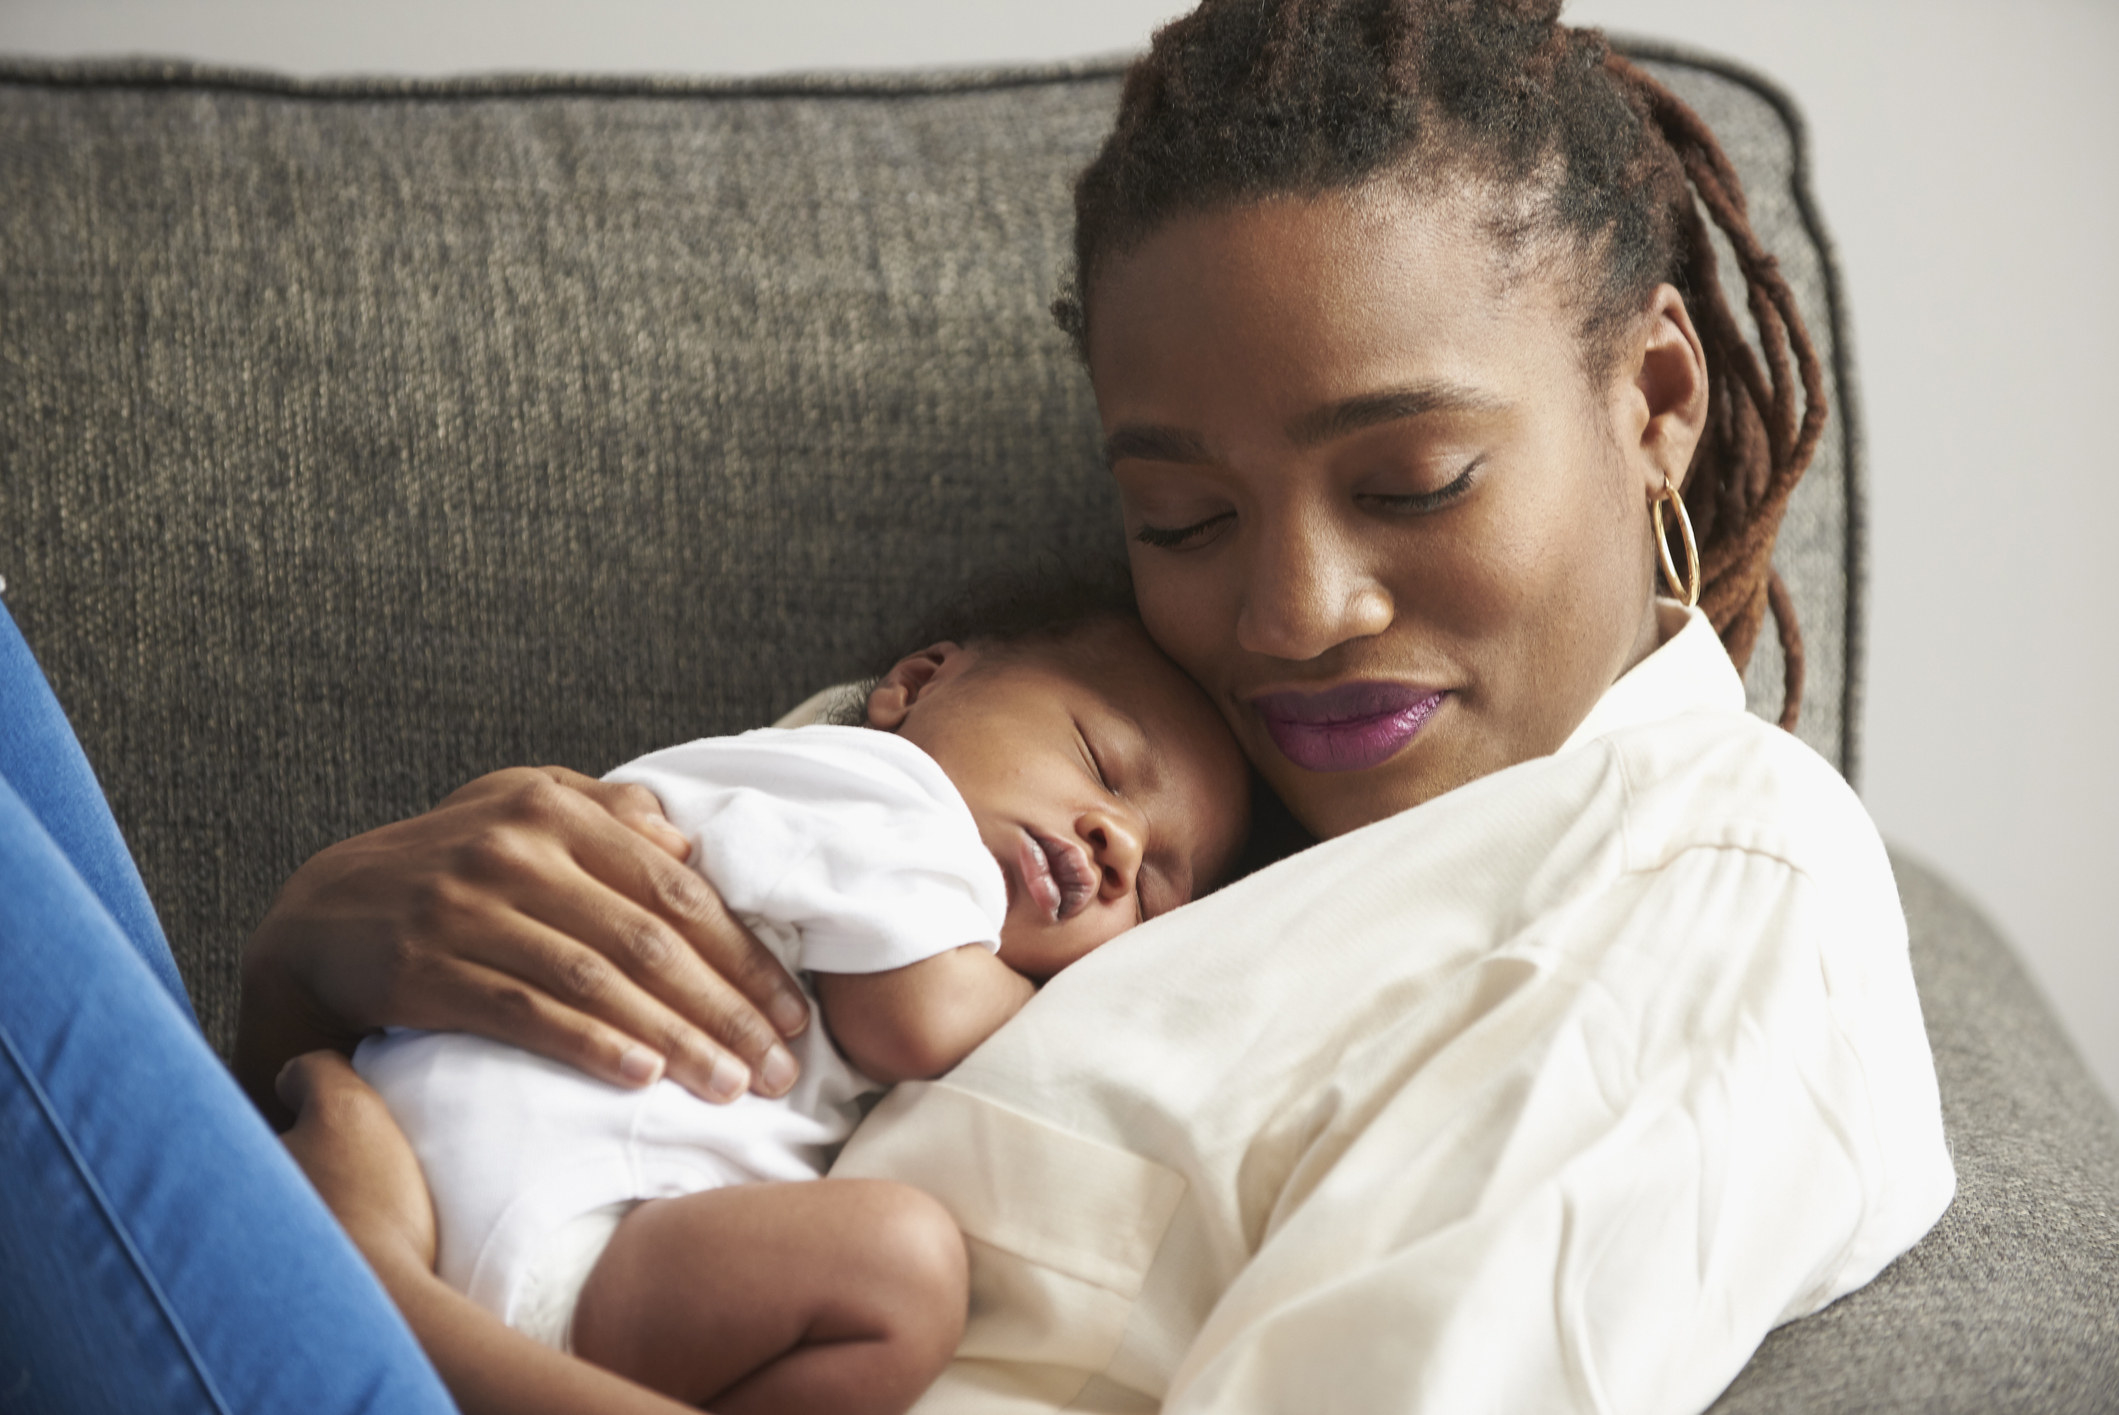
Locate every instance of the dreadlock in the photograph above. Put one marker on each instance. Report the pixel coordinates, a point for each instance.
(1245, 99)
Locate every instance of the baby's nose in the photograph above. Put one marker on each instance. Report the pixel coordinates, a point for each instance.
(1117, 839)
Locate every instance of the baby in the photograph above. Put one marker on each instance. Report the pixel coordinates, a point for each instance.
(1014, 801)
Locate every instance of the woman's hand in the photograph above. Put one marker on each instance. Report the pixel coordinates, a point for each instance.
(538, 907)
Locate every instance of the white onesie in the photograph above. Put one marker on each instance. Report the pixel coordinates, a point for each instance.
(847, 851)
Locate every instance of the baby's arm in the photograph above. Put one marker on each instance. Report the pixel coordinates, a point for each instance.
(915, 1022)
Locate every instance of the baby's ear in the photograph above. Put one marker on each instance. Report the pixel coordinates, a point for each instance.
(891, 700)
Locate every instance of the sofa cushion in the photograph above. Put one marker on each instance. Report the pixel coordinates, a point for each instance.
(360, 437)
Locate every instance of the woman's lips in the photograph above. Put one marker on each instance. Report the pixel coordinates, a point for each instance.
(1056, 875)
(1348, 728)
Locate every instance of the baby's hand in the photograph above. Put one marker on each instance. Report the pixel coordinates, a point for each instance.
(346, 1141)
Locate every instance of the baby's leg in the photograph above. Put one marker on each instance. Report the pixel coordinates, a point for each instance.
(841, 1295)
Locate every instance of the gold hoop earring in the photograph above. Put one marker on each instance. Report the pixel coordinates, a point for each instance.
(1662, 545)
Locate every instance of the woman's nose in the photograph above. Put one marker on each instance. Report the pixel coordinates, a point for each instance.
(1117, 838)
(1306, 592)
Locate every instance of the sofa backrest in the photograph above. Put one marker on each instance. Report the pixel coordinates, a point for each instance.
(357, 438)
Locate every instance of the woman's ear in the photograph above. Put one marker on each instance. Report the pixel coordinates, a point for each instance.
(891, 700)
(1669, 390)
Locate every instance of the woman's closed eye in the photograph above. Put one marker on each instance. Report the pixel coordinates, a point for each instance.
(1194, 534)
(1182, 537)
(1419, 503)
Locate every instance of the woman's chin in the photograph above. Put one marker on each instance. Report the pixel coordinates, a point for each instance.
(1330, 803)
(1333, 803)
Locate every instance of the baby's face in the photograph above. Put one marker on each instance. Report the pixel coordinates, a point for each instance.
(1105, 784)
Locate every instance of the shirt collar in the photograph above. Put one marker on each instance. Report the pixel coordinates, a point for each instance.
(1689, 672)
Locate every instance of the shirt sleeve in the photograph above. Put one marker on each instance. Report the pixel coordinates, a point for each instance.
(852, 837)
(1698, 1116)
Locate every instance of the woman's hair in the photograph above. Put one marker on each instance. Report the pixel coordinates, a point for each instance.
(1246, 99)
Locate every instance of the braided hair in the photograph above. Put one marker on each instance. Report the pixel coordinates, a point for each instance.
(1246, 99)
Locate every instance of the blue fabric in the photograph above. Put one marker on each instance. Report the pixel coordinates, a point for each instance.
(42, 761)
(158, 1250)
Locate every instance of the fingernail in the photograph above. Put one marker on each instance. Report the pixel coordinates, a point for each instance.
(778, 1072)
(790, 1015)
(640, 1066)
(729, 1080)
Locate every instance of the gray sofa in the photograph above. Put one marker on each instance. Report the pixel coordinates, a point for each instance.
(360, 437)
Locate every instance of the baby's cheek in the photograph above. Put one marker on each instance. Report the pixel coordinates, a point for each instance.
(1088, 931)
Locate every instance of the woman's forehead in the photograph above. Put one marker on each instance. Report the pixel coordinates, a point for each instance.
(1295, 304)
(1380, 233)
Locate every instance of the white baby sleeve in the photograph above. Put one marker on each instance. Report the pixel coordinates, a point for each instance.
(851, 836)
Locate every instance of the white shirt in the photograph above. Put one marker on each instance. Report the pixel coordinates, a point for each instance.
(1555, 1093)
(848, 851)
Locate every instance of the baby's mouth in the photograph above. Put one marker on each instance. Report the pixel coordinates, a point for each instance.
(1057, 875)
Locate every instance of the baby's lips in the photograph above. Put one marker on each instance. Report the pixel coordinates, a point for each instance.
(1073, 871)
(1035, 867)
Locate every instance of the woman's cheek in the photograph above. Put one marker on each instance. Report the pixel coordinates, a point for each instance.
(1448, 594)
(1180, 606)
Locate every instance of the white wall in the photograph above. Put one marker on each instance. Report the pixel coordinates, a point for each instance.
(1967, 158)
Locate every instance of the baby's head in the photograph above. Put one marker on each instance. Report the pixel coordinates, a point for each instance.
(1102, 779)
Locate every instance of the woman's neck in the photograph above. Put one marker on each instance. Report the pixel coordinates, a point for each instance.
(1658, 627)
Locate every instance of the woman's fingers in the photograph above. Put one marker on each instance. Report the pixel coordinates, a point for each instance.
(647, 920)
(631, 805)
(691, 913)
(538, 907)
(538, 988)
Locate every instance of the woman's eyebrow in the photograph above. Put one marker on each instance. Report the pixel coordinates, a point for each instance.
(1154, 443)
(1389, 405)
(1157, 442)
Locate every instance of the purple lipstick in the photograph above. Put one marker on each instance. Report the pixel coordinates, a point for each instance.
(1348, 728)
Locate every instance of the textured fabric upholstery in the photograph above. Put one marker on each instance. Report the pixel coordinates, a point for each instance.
(358, 438)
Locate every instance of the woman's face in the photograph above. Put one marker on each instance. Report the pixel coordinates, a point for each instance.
(1375, 502)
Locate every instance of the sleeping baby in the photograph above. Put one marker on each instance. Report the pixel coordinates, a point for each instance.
(1009, 803)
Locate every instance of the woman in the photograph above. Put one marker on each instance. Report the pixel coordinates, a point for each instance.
(1574, 1080)
(1555, 1092)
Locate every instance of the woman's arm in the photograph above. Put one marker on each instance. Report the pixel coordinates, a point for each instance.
(914, 1023)
(535, 906)
(353, 1152)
